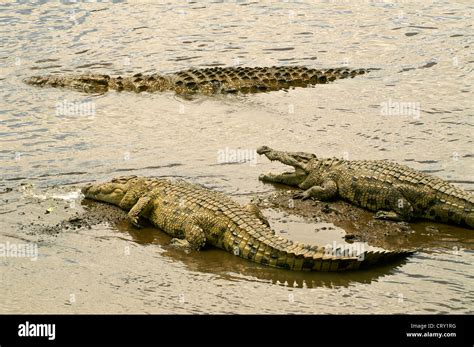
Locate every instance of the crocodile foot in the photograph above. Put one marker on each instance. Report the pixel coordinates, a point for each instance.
(388, 215)
(135, 222)
(180, 243)
(301, 195)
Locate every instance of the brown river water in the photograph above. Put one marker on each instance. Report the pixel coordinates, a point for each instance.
(416, 109)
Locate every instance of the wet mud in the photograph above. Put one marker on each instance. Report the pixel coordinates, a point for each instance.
(360, 225)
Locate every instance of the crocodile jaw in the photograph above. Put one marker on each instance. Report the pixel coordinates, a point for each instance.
(299, 160)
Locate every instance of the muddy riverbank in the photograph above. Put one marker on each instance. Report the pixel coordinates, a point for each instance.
(414, 109)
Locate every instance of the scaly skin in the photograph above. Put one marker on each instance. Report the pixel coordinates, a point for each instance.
(394, 191)
(196, 216)
(205, 81)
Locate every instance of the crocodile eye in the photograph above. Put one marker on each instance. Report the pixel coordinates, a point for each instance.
(123, 179)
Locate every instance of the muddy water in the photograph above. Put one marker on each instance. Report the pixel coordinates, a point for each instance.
(417, 109)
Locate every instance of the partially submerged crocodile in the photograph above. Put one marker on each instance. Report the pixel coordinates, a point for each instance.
(394, 191)
(206, 81)
(196, 216)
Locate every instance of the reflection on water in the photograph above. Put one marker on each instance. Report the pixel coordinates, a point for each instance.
(415, 110)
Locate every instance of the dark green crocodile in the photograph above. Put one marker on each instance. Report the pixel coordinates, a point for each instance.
(205, 81)
(394, 191)
(196, 216)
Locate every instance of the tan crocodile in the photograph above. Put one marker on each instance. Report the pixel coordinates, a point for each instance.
(195, 216)
(204, 81)
(394, 191)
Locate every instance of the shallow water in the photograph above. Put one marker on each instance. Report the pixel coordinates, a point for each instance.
(58, 139)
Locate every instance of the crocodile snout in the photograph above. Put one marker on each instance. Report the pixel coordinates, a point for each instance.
(86, 189)
(263, 149)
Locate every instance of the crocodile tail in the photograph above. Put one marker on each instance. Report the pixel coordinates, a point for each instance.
(460, 213)
(370, 258)
(256, 79)
(89, 83)
(330, 75)
(329, 261)
(276, 78)
(281, 253)
(303, 77)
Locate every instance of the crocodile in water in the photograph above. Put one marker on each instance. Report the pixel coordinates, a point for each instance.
(196, 216)
(205, 81)
(394, 191)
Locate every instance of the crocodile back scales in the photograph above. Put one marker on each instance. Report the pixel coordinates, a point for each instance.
(205, 81)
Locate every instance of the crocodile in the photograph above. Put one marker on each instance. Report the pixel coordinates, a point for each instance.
(394, 191)
(195, 216)
(207, 81)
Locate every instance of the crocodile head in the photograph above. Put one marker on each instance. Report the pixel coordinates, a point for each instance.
(299, 160)
(111, 192)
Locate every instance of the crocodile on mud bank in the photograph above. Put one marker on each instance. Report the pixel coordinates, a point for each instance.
(203, 81)
(195, 216)
(395, 192)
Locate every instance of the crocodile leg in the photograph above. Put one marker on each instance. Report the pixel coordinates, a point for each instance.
(138, 209)
(194, 235)
(326, 191)
(389, 215)
(400, 208)
(254, 210)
